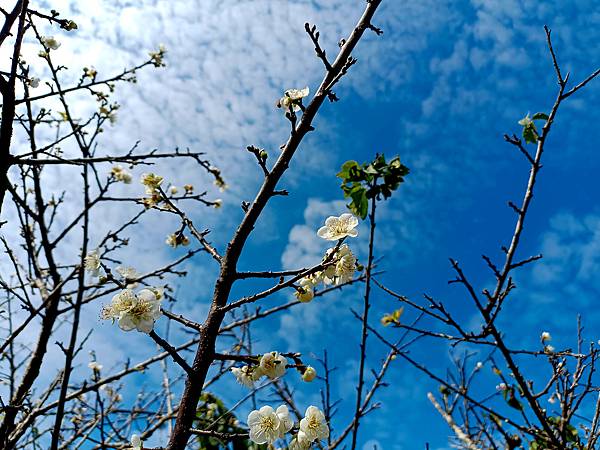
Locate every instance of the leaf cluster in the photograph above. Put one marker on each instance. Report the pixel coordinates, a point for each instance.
(213, 414)
(569, 432)
(530, 133)
(362, 182)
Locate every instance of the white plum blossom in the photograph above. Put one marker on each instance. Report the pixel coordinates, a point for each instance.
(134, 311)
(219, 182)
(339, 227)
(157, 56)
(91, 262)
(95, 366)
(343, 268)
(546, 336)
(159, 292)
(90, 72)
(273, 365)
(111, 392)
(292, 98)
(309, 374)
(285, 421)
(173, 190)
(257, 373)
(152, 182)
(340, 268)
(171, 240)
(314, 425)
(345, 265)
(136, 442)
(264, 425)
(244, 375)
(128, 274)
(34, 82)
(305, 292)
(501, 387)
(315, 278)
(300, 442)
(120, 174)
(175, 239)
(50, 42)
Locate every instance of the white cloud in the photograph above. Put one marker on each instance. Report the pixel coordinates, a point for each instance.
(571, 250)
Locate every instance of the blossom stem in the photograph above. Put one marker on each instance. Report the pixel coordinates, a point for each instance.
(365, 324)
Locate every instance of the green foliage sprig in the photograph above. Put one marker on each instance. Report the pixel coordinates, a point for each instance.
(362, 182)
(530, 133)
(213, 414)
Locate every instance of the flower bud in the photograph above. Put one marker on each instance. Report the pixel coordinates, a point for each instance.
(309, 374)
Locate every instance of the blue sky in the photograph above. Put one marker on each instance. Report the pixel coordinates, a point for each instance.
(439, 88)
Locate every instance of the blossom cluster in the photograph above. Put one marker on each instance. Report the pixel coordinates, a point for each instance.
(91, 263)
(120, 174)
(341, 264)
(545, 338)
(156, 57)
(33, 82)
(339, 261)
(176, 239)
(152, 184)
(271, 365)
(134, 311)
(267, 425)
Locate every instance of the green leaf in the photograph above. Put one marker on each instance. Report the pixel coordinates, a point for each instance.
(530, 133)
(346, 168)
(361, 206)
(394, 317)
(540, 116)
(349, 164)
(509, 396)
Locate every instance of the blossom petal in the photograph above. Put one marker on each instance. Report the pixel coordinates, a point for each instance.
(147, 295)
(254, 418)
(257, 436)
(311, 410)
(266, 410)
(145, 325)
(323, 232)
(331, 221)
(126, 323)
